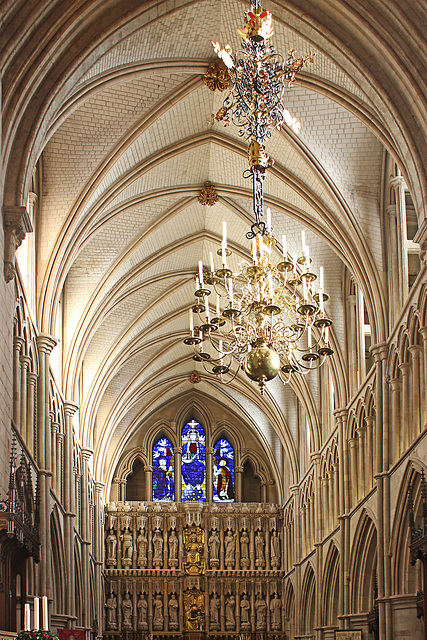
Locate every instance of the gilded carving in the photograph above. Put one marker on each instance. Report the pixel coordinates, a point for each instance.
(193, 545)
(208, 196)
(194, 609)
(216, 77)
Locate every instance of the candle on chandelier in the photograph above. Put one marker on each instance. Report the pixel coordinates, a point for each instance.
(321, 279)
(261, 248)
(284, 248)
(218, 308)
(309, 337)
(212, 263)
(230, 290)
(305, 288)
(45, 613)
(307, 257)
(208, 313)
(303, 241)
(254, 253)
(36, 614)
(224, 245)
(201, 274)
(269, 221)
(221, 355)
(191, 321)
(27, 618)
(197, 283)
(327, 336)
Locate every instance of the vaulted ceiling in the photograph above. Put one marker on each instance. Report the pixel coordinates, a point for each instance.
(122, 136)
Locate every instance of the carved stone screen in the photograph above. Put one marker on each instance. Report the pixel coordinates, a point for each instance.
(193, 470)
(163, 471)
(223, 472)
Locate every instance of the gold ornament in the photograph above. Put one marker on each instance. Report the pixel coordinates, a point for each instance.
(194, 377)
(216, 77)
(208, 196)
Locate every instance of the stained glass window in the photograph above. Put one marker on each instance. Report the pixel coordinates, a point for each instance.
(223, 472)
(193, 465)
(163, 471)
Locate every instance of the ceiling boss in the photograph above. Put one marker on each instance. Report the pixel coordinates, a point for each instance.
(267, 319)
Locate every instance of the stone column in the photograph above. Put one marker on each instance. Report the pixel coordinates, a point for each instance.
(352, 340)
(18, 343)
(45, 344)
(405, 416)
(32, 382)
(98, 556)
(238, 476)
(58, 472)
(86, 455)
(415, 351)
(209, 474)
(369, 453)
(393, 266)
(343, 606)
(362, 459)
(336, 491)
(352, 443)
(25, 364)
(423, 331)
(70, 509)
(398, 184)
(53, 432)
(148, 482)
(177, 452)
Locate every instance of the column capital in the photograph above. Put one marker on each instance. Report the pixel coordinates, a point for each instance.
(87, 454)
(238, 469)
(177, 450)
(99, 486)
(54, 427)
(32, 198)
(341, 414)
(46, 343)
(352, 442)
(315, 457)
(32, 377)
(70, 408)
(414, 349)
(148, 467)
(18, 341)
(398, 181)
(25, 360)
(405, 367)
(391, 210)
(379, 351)
(210, 450)
(16, 224)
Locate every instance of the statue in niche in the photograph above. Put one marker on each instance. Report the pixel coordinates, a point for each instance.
(127, 608)
(141, 544)
(261, 612)
(173, 612)
(259, 550)
(111, 548)
(275, 550)
(193, 545)
(127, 548)
(275, 613)
(158, 548)
(142, 607)
(213, 544)
(111, 606)
(244, 550)
(214, 611)
(230, 549)
(245, 610)
(173, 549)
(158, 613)
(230, 612)
(194, 609)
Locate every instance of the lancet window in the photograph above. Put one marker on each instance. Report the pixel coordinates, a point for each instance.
(223, 472)
(193, 461)
(163, 471)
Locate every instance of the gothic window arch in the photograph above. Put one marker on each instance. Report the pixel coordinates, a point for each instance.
(163, 471)
(193, 462)
(223, 471)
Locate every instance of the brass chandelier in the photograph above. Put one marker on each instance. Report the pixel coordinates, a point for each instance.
(267, 319)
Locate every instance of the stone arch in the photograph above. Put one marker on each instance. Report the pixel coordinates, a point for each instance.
(289, 608)
(308, 601)
(58, 566)
(331, 581)
(363, 565)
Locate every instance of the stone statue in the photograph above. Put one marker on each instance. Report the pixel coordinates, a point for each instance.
(173, 549)
(158, 548)
(127, 548)
(244, 550)
(142, 606)
(230, 549)
(259, 550)
(230, 612)
(158, 613)
(275, 613)
(193, 545)
(111, 548)
(127, 608)
(141, 543)
(214, 611)
(111, 606)
(261, 612)
(213, 544)
(275, 550)
(173, 612)
(245, 609)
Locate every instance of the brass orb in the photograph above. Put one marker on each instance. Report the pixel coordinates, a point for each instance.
(262, 364)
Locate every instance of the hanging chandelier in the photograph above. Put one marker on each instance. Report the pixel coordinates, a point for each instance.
(267, 319)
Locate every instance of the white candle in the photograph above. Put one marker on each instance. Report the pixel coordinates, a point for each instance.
(321, 307)
(304, 284)
(321, 279)
(224, 233)
(27, 618)
(303, 241)
(191, 321)
(220, 351)
(218, 308)
(208, 312)
(201, 273)
(230, 290)
(254, 255)
(197, 283)
(261, 248)
(212, 263)
(269, 221)
(45, 613)
(285, 251)
(327, 336)
(309, 337)
(36, 614)
(307, 257)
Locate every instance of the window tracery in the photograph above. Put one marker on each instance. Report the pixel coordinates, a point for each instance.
(163, 471)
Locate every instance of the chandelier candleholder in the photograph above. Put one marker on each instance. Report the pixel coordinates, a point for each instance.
(264, 318)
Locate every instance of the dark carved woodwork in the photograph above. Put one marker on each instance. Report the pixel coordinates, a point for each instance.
(18, 537)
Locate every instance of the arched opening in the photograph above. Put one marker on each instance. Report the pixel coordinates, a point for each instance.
(251, 484)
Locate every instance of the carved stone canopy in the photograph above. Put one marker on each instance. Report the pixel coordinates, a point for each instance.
(17, 224)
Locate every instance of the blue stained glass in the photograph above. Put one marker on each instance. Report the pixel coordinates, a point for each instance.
(193, 467)
(223, 472)
(163, 471)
